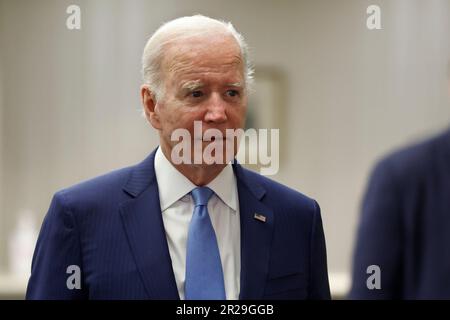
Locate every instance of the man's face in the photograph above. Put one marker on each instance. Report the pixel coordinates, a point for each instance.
(203, 81)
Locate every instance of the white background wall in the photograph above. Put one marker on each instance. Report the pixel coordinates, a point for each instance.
(2, 178)
(71, 110)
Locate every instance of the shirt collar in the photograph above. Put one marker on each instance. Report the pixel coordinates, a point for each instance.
(224, 186)
(173, 185)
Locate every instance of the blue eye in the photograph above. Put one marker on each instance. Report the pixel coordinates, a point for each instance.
(196, 94)
(232, 93)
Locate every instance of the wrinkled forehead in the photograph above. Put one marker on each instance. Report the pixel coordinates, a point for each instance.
(216, 52)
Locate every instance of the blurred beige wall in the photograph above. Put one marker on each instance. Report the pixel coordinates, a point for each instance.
(71, 105)
(2, 178)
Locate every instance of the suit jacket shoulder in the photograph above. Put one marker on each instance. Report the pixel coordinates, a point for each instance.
(406, 202)
(284, 199)
(412, 163)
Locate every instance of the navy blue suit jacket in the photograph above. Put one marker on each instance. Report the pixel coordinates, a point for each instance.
(112, 228)
(405, 225)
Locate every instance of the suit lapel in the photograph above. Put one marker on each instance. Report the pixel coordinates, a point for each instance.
(143, 224)
(256, 236)
(142, 220)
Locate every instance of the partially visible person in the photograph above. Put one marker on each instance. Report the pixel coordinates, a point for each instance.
(405, 226)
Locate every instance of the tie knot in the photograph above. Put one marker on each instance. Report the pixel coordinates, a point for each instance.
(201, 195)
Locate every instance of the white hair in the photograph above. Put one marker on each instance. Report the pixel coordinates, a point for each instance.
(181, 28)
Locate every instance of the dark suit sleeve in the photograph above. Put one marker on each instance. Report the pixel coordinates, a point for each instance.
(379, 237)
(319, 287)
(57, 248)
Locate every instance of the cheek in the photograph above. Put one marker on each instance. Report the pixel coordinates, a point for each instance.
(168, 114)
(237, 116)
(180, 118)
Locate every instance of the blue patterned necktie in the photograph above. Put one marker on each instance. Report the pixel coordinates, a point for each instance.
(204, 275)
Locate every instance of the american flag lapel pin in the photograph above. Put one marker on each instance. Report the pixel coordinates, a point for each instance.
(260, 217)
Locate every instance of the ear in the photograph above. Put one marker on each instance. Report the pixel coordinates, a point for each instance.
(149, 104)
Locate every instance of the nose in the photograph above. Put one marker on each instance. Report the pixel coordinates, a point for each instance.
(216, 110)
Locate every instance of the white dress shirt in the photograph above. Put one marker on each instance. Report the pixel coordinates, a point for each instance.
(177, 207)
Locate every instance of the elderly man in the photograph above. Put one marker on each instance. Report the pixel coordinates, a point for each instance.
(170, 229)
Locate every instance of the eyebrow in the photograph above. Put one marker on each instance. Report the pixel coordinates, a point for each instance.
(192, 85)
(235, 84)
(197, 84)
